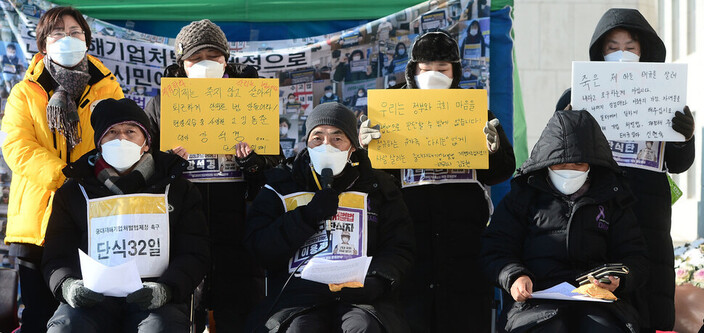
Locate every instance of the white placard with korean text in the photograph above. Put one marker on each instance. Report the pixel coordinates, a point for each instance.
(631, 101)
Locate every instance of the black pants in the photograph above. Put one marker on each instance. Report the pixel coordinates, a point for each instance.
(339, 318)
(39, 302)
(581, 318)
(235, 283)
(115, 315)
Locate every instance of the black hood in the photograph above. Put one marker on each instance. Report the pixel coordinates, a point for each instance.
(652, 47)
(570, 137)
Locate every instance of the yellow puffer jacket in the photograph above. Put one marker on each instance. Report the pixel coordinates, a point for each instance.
(37, 155)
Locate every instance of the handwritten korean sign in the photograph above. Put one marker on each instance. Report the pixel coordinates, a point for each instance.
(429, 128)
(210, 116)
(631, 101)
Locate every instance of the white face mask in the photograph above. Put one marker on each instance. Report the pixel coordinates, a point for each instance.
(283, 130)
(567, 181)
(392, 83)
(622, 56)
(121, 154)
(401, 51)
(327, 156)
(67, 51)
(473, 31)
(328, 94)
(206, 69)
(292, 100)
(356, 58)
(433, 80)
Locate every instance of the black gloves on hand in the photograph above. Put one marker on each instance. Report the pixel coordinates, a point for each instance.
(323, 205)
(373, 288)
(152, 296)
(683, 123)
(78, 296)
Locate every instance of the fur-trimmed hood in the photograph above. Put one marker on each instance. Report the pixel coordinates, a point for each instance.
(435, 45)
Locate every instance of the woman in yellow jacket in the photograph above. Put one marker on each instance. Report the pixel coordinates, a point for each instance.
(47, 121)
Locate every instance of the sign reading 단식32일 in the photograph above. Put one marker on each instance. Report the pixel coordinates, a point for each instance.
(211, 116)
(430, 129)
(631, 101)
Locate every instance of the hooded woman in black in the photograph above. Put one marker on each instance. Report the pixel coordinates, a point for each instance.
(550, 237)
(653, 205)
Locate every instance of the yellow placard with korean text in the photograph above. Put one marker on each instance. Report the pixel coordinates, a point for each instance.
(211, 116)
(429, 128)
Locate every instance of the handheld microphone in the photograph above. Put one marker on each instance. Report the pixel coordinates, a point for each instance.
(326, 178)
(326, 182)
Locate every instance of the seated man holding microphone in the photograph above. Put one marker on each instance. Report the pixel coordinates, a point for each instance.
(286, 226)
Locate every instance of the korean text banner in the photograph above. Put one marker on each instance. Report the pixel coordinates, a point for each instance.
(338, 67)
(433, 129)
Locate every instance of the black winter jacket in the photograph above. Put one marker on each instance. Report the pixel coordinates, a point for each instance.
(224, 206)
(653, 207)
(67, 231)
(448, 220)
(552, 238)
(274, 235)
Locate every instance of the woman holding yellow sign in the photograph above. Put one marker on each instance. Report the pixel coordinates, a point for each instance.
(202, 51)
(450, 208)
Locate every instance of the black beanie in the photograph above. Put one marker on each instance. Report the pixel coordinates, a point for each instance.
(110, 112)
(334, 114)
(435, 45)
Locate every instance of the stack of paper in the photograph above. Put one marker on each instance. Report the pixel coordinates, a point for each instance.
(117, 281)
(336, 271)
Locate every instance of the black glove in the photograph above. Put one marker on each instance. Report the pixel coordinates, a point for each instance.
(323, 205)
(78, 296)
(683, 123)
(151, 296)
(373, 288)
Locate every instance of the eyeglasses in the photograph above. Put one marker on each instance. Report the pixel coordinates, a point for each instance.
(61, 34)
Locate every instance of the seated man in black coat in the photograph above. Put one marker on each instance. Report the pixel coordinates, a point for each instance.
(121, 203)
(568, 212)
(285, 228)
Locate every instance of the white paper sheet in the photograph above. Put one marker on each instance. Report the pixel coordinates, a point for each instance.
(632, 101)
(336, 271)
(117, 281)
(563, 291)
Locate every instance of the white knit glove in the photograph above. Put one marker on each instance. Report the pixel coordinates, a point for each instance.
(492, 135)
(367, 133)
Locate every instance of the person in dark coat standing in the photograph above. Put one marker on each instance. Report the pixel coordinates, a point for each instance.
(625, 35)
(285, 226)
(231, 291)
(124, 185)
(450, 209)
(568, 212)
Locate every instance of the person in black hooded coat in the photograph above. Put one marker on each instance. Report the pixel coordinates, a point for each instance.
(653, 205)
(548, 234)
